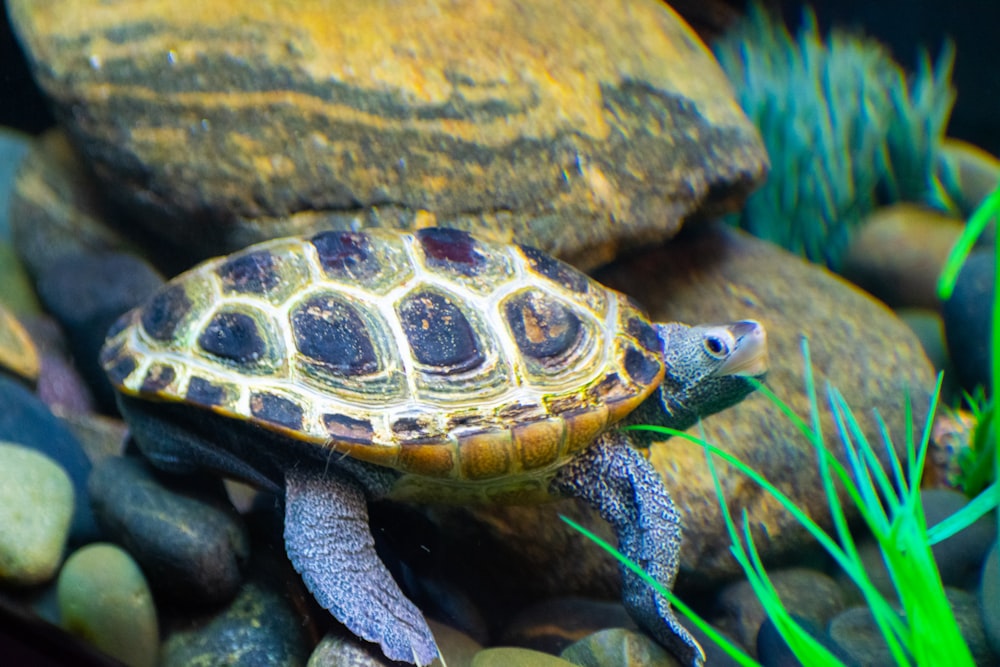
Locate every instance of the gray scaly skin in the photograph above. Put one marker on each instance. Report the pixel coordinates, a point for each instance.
(614, 477)
(326, 521)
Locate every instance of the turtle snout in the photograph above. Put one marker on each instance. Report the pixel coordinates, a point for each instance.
(748, 356)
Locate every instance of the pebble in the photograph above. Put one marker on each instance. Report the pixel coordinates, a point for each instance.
(338, 649)
(856, 633)
(898, 252)
(965, 606)
(457, 647)
(554, 624)
(264, 626)
(806, 593)
(927, 324)
(104, 599)
(60, 385)
(36, 506)
(773, 650)
(989, 598)
(87, 294)
(16, 291)
(101, 437)
(505, 656)
(18, 354)
(976, 171)
(617, 646)
(190, 542)
(967, 319)
(25, 420)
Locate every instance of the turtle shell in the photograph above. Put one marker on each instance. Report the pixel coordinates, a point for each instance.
(432, 353)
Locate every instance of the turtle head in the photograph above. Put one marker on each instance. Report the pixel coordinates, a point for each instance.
(708, 369)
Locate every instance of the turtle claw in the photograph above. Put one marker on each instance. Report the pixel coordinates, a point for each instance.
(329, 543)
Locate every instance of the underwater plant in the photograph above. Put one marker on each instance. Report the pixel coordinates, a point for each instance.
(845, 127)
(926, 632)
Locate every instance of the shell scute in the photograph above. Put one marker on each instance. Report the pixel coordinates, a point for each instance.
(277, 410)
(331, 333)
(205, 392)
(440, 336)
(164, 314)
(371, 263)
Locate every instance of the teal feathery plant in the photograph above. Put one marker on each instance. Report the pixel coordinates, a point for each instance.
(845, 128)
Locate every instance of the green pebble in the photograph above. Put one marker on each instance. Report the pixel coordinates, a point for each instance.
(505, 656)
(36, 507)
(104, 600)
(617, 647)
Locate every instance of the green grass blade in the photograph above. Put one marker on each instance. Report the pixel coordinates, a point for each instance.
(973, 229)
(734, 651)
(980, 506)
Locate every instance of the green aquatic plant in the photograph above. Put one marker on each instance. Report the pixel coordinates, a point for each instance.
(845, 127)
(925, 632)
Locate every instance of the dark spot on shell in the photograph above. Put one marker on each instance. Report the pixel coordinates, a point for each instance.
(346, 255)
(276, 410)
(121, 369)
(407, 426)
(543, 327)
(554, 270)
(252, 273)
(640, 367)
(332, 332)
(609, 389)
(233, 336)
(202, 392)
(645, 333)
(109, 353)
(348, 429)
(120, 324)
(439, 333)
(164, 312)
(451, 249)
(157, 377)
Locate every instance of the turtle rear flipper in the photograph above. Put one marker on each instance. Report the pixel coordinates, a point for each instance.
(329, 543)
(617, 480)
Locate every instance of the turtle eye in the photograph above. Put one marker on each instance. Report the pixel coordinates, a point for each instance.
(716, 346)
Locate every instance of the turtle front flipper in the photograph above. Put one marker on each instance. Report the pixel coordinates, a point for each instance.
(329, 543)
(615, 479)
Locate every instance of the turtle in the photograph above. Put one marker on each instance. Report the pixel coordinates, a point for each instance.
(425, 366)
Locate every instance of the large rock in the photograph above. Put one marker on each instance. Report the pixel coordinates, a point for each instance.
(56, 208)
(719, 274)
(575, 127)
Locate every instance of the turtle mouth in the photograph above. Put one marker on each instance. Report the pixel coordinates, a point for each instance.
(749, 355)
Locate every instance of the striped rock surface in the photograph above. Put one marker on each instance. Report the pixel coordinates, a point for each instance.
(576, 127)
(481, 366)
